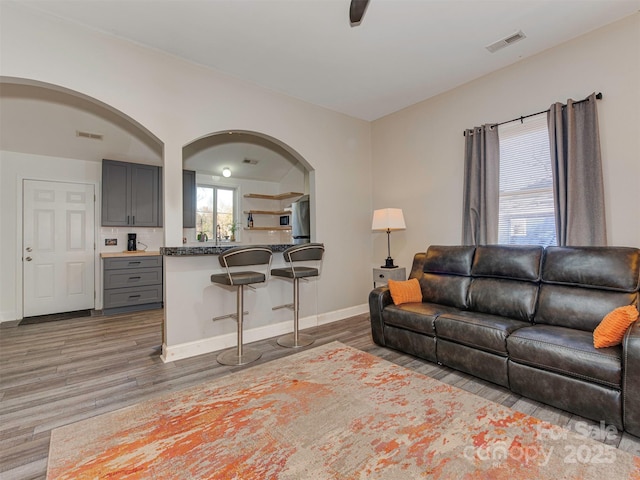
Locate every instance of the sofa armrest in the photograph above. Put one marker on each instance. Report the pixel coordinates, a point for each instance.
(631, 379)
(378, 299)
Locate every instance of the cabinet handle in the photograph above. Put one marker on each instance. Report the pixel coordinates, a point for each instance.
(134, 296)
(134, 278)
(134, 263)
(133, 222)
(127, 219)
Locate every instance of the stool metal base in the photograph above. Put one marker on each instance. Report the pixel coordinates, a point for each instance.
(231, 357)
(289, 340)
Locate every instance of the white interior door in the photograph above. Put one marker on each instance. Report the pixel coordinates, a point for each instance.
(58, 247)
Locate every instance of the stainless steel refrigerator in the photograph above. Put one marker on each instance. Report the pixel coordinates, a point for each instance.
(300, 220)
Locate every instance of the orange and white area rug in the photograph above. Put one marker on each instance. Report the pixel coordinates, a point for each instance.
(331, 412)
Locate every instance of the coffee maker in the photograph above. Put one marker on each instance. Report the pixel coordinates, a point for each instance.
(131, 242)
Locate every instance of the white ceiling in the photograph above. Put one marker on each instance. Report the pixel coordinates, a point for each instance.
(405, 51)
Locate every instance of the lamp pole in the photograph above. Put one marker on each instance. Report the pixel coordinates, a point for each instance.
(389, 261)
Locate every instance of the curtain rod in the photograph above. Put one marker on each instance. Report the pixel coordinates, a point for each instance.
(598, 96)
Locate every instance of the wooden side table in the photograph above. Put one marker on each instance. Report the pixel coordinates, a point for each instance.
(382, 275)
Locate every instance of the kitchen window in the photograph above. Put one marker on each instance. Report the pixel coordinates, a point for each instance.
(526, 211)
(215, 212)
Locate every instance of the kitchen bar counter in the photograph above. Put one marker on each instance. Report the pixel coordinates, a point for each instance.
(192, 301)
(190, 251)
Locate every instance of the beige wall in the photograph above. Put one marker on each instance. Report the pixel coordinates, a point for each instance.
(418, 152)
(411, 159)
(179, 102)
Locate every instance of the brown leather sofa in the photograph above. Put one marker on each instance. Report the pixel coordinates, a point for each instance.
(523, 317)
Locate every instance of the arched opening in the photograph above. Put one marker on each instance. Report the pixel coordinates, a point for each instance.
(253, 204)
(54, 135)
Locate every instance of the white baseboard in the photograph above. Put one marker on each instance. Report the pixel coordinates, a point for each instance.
(9, 316)
(212, 344)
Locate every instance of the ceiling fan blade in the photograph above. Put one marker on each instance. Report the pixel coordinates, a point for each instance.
(356, 11)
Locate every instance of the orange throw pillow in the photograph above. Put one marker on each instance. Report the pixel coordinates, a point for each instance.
(406, 291)
(613, 326)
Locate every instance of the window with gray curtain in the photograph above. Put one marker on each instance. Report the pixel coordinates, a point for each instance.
(526, 212)
(499, 202)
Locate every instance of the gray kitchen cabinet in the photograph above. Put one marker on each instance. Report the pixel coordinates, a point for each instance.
(189, 199)
(132, 283)
(130, 195)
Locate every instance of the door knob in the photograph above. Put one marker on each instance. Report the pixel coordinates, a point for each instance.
(28, 259)
(29, 249)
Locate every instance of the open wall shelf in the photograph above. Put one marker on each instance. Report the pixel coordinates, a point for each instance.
(279, 196)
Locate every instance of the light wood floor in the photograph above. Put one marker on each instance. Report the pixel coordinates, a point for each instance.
(57, 373)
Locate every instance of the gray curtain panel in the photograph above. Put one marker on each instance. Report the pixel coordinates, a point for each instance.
(481, 186)
(577, 173)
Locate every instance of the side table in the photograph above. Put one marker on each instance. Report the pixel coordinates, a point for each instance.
(382, 275)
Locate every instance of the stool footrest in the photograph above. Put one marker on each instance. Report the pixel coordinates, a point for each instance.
(229, 315)
(286, 305)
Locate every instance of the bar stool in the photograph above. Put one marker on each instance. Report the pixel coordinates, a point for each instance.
(241, 257)
(298, 253)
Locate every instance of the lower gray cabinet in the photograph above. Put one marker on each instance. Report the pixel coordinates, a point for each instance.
(132, 283)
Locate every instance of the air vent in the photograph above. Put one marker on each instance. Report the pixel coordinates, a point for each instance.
(93, 136)
(250, 161)
(505, 42)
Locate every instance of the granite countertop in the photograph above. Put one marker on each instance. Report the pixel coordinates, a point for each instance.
(191, 251)
(134, 253)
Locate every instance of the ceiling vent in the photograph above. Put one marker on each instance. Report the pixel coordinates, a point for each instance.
(250, 161)
(93, 136)
(505, 42)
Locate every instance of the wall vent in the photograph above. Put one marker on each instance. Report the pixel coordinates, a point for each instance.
(250, 161)
(505, 42)
(93, 136)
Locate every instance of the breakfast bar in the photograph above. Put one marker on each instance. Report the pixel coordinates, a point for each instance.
(192, 302)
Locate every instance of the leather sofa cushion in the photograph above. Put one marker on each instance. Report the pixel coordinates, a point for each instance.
(442, 289)
(577, 307)
(566, 351)
(417, 317)
(612, 268)
(478, 330)
(453, 260)
(507, 298)
(515, 262)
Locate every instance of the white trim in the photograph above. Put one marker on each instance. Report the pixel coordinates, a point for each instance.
(213, 344)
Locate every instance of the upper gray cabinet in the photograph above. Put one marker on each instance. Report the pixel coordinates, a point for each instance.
(189, 199)
(130, 195)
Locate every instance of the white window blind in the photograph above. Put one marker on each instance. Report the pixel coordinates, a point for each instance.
(526, 214)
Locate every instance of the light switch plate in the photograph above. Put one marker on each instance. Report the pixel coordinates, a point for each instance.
(111, 241)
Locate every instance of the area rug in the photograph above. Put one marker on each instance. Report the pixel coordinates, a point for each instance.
(331, 412)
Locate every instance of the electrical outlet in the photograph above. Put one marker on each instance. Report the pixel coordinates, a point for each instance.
(111, 241)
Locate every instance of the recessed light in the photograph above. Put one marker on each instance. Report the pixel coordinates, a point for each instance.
(226, 172)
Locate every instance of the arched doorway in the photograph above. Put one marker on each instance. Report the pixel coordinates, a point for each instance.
(54, 134)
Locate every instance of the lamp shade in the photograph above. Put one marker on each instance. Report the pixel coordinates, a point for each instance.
(388, 219)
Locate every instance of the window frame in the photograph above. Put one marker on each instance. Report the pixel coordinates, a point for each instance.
(528, 200)
(211, 234)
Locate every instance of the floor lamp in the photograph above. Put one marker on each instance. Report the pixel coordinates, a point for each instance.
(388, 219)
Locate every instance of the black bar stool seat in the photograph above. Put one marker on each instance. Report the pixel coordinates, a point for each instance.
(298, 253)
(241, 257)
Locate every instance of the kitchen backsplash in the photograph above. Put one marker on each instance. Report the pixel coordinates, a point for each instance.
(153, 238)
